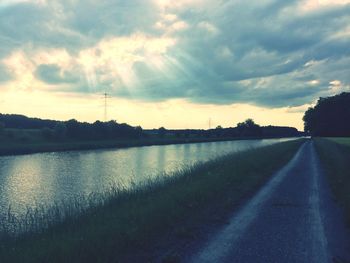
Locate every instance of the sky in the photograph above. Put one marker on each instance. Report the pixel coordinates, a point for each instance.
(169, 63)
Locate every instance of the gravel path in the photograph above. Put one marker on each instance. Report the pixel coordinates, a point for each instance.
(293, 218)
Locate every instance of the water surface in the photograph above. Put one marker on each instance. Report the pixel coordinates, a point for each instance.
(44, 178)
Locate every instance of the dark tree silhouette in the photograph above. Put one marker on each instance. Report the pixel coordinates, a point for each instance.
(249, 128)
(23, 122)
(330, 116)
(161, 132)
(276, 131)
(73, 129)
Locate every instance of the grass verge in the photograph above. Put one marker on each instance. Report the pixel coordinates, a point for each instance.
(341, 140)
(28, 147)
(23, 141)
(334, 154)
(129, 221)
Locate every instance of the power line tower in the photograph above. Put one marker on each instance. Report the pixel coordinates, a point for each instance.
(105, 98)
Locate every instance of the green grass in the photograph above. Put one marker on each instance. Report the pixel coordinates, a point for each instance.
(335, 157)
(341, 140)
(125, 222)
(26, 141)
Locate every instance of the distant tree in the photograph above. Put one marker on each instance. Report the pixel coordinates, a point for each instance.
(248, 123)
(329, 117)
(139, 131)
(73, 128)
(135, 132)
(99, 129)
(279, 131)
(23, 122)
(249, 128)
(161, 132)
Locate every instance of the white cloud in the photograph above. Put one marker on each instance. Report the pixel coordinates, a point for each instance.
(179, 25)
(169, 17)
(312, 5)
(170, 4)
(313, 82)
(336, 87)
(5, 3)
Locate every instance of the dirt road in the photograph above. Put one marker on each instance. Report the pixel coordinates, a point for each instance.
(293, 218)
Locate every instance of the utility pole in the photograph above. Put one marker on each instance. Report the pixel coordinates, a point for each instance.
(105, 97)
(209, 123)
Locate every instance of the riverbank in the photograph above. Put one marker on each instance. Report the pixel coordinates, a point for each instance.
(28, 146)
(335, 155)
(133, 223)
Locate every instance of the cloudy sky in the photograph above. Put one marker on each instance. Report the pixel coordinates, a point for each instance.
(172, 63)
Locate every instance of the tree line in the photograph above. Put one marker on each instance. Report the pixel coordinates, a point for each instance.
(329, 117)
(246, 129)
(59, 130)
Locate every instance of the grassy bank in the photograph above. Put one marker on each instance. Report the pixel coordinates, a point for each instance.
(17, 141)
(30, 142)
(128, 222)
(341, 140)
(335, 155)
(16, 148)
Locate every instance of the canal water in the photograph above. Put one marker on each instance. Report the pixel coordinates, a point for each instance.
(45, 178)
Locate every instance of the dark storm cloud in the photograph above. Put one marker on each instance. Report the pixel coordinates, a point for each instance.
(52, 74)
(26, 26)
(69, 24)
(267, 42)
